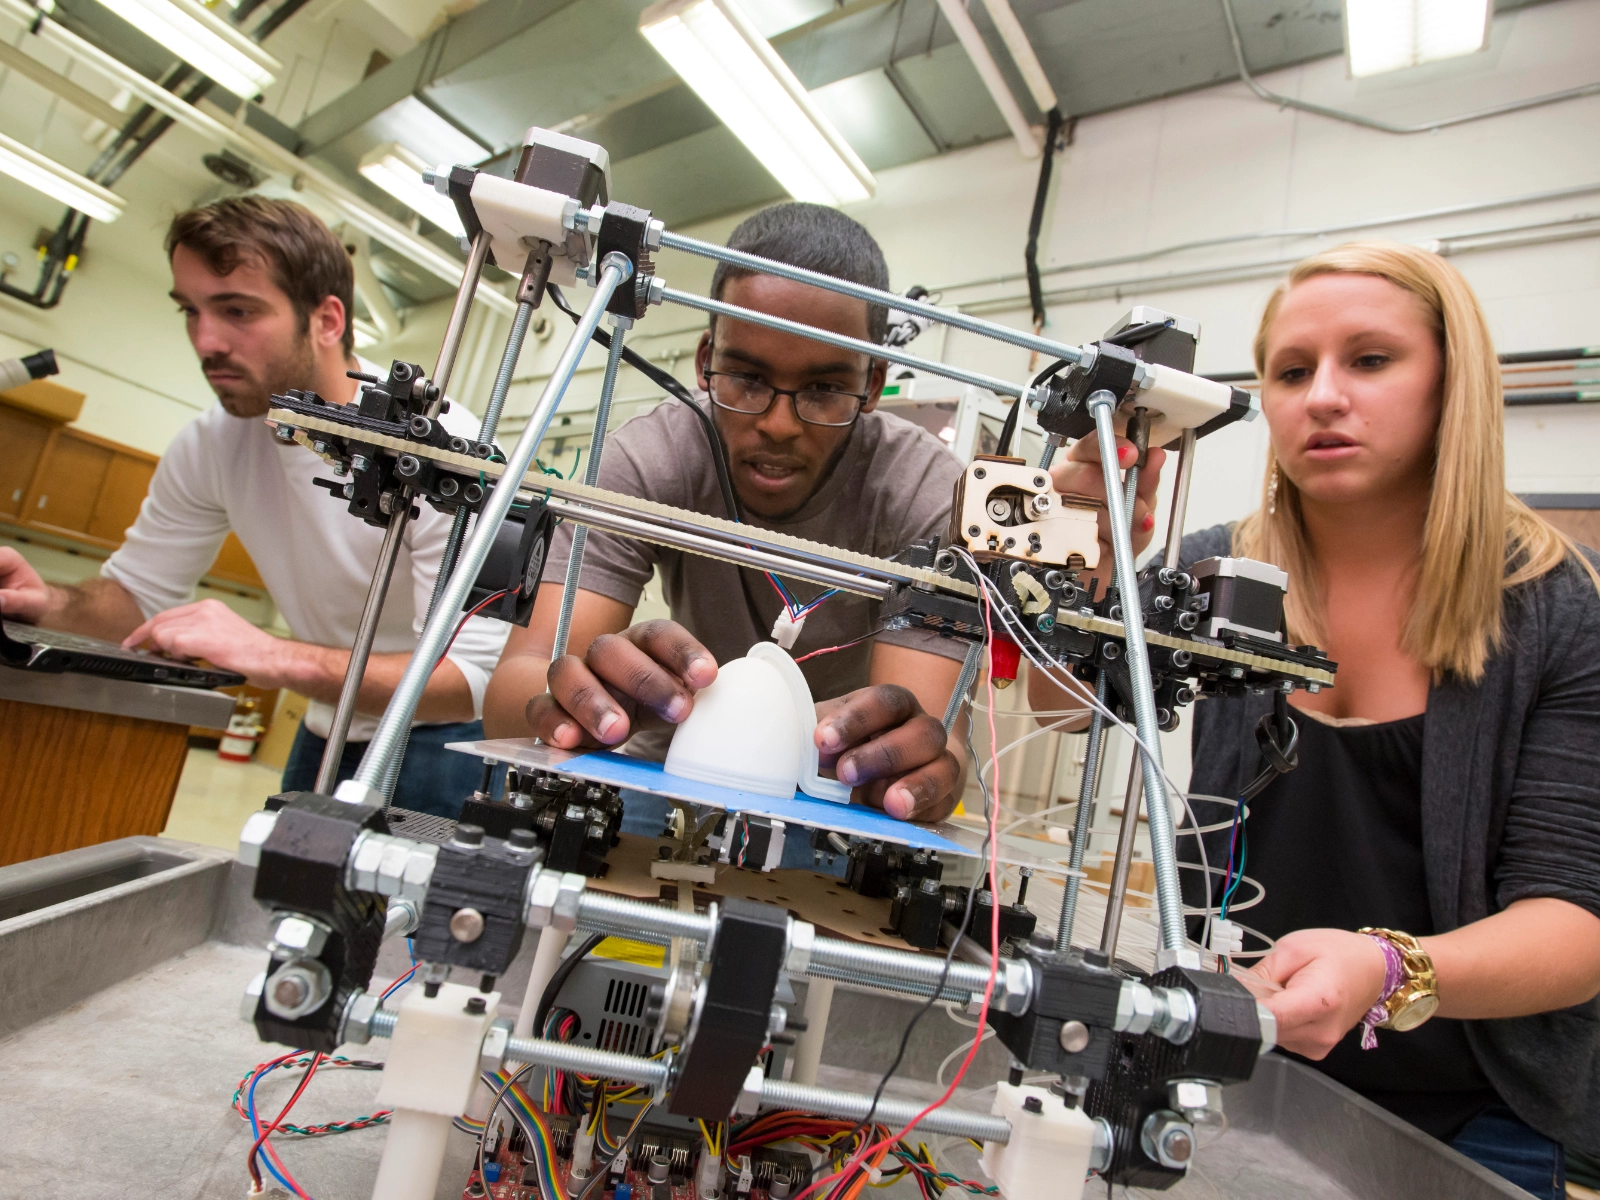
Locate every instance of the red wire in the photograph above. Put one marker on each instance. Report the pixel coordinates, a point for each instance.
(488, 600)
(994, 938)
(840, 646)
(255, 1171)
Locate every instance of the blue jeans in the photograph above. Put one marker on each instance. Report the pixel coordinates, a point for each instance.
(432, 779)
(1499, 1139)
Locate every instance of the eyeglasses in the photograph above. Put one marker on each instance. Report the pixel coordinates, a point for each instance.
(814, 405)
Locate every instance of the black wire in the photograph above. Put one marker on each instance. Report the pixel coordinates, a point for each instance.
(668, 383)
(1008, 430)
(1030, 254)
(553, 988)
(944, 973)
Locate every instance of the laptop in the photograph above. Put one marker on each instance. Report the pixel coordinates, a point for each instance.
(52, 652)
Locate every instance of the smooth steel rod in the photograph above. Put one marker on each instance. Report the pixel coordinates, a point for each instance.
(591, 476)
(1180, 499)
(733, 312)
(1163, 851)
(713, 547)
(366, 630)
(1127, 834)
(456, 327)
(458, 525)
(1093, 750)
(738, 535)
(945, 316)
(851, 1106)
(396, 720)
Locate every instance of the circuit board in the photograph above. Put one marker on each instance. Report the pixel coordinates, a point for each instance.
(512, 1174)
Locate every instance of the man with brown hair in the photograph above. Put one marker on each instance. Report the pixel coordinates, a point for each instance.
(266, 291)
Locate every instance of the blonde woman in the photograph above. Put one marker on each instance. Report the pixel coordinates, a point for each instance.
(1448, 791)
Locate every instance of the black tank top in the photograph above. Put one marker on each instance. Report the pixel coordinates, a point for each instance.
(1337, 843)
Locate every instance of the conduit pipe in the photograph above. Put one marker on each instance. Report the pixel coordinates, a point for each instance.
(989, 71)
(354, 210)
(1350, 118)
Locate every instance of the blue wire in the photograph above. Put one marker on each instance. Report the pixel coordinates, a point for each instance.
(255, 1124)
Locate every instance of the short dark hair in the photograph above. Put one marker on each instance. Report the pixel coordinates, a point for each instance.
(302, 254)
(819, 239)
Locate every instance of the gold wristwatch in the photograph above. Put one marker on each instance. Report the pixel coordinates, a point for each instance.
(1417, 997)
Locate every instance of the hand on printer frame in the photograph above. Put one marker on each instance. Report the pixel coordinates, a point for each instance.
(1080, 474)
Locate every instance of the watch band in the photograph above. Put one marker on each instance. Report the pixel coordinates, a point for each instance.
(1407, 1000)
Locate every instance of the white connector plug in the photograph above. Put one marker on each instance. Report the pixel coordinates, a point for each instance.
(786, 629)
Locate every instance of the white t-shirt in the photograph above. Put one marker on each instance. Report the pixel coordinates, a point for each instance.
(223, 472)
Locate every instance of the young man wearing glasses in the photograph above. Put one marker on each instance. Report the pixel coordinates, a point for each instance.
(807, 454)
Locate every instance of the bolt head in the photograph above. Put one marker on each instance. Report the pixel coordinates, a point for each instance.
(469, 835)
(466, 925)
(257, 828)
(1074, 1036)
(1169, 1139)
(297, 989)
(284, 433)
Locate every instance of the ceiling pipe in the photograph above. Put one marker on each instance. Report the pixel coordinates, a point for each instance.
(1021, 51)
(357, 212)
(989, 71)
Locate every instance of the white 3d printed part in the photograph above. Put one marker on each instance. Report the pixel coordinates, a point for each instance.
(1047, 1157)
(754, 729)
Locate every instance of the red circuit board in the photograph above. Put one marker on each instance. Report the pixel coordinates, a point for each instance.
(509, 1186)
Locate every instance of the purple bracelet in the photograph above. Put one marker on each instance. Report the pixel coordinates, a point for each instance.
(1394, 973)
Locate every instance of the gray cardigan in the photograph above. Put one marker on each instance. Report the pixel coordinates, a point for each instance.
(1510, 809)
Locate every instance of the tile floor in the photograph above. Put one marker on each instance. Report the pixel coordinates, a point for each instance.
(215, 797)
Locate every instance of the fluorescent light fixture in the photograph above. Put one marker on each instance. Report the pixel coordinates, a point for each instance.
(719, 53)
(398, 171)
(50, 177)
(203, 40)
(1388, 35)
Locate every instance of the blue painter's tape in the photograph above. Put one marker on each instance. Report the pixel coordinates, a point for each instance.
(856, 820)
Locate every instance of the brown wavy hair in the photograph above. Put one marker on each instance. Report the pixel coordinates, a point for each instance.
(1478, 539)
(306, 261)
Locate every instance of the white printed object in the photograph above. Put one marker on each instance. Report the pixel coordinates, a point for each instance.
(1047, 1157)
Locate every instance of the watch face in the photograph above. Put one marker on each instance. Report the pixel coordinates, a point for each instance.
(1414, 1013)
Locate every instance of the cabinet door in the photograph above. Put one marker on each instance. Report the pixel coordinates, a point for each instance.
(126, 481)
(23, 437)
(68, 484)
(234, 564)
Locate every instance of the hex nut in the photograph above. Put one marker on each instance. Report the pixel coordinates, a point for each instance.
(564, 914)
(356, 1025)
(1136, 1008)
(1269, 1027)
(1169, 1139)
(390, 875)
(365, 857)
(802, 940)
(420, 861)
(1197, 1099)
(297, 989)
(252, 997)
(295, 936)
(1018, 977)
(543, 888)
(493, 1052)
(257, 828)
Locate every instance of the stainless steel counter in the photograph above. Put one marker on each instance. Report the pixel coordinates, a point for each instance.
(118, 697)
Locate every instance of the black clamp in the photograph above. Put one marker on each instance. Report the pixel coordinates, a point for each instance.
(302, 873)
(626, 231)
(1063, 413)
(458, 187)
(1067, 1029)
(745, 960)
(1222, 1050)
(473, 917)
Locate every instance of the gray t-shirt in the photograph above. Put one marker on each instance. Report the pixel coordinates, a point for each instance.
(893, 484)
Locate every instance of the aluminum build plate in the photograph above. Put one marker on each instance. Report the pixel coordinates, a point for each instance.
(643, 775)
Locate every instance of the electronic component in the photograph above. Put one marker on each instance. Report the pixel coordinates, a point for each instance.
(1239, 595)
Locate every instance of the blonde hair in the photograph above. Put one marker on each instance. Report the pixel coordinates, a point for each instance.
(1478, 538)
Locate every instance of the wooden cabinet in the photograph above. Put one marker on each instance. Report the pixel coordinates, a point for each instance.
(23, 437)
(67, 485)
(71, 484)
